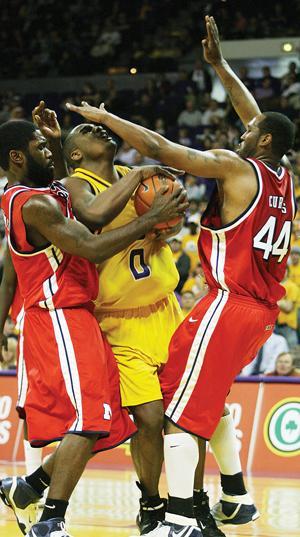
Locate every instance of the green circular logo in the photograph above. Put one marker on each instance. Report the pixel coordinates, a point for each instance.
(282, 428)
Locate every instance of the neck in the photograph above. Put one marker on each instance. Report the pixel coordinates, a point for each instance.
(269, 160)
(102, 168)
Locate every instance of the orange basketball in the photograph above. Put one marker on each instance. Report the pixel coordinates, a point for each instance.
(145, 193)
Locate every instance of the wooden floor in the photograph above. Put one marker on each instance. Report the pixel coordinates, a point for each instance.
(105, 505)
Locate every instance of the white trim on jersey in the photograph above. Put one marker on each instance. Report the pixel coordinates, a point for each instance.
(50, 287)
(218, 257)
(196, 357)
(294, 203)
(22, 373)
(250, 210)
(68, 365)
(280, 175)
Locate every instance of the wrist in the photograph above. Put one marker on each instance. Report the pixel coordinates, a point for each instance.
(55, 142)
(220, 63)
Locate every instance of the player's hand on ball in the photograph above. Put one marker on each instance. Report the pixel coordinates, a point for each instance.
(149, 171)
(168, 207)
(91, 113)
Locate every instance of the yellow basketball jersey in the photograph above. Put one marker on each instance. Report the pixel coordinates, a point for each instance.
(141, 274)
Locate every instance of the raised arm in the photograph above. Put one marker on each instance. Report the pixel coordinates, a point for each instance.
(215, 164)
(7, 291)
(97, 211)
(242, 100)
(45, 223)
(46, 120)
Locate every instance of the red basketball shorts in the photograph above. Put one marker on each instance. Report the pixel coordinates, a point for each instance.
(73, 382)
(221, 335)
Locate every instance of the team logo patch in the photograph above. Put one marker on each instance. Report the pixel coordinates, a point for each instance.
(282, 428)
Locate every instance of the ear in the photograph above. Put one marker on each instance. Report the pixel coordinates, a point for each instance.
(17, 157)
(76, 155)
(265, 139)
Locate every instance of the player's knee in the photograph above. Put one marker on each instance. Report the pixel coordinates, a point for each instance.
(149, 417)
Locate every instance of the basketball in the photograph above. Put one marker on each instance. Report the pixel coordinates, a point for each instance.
(145, 194)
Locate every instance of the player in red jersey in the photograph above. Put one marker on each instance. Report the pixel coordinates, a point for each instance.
(73, 390)
(243, 244)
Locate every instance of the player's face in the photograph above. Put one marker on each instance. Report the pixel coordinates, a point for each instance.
(39, 161)
(249, 140)
(93, 140)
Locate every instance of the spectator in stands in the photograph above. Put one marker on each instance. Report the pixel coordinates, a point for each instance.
(201, 77)
(294, 265)
(190, 240)
(244, 77)
(184, 137)
(190, 116)
(196, 283)
(213, 114)
(184, 86)
(264, 362)
(287, 319)
(285, 366)
(126, 154)
(193, 189)
(182, 262)
(188, 301)
(10, 354)
(291, 74)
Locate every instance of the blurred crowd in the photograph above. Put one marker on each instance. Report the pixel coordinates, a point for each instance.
(183, 110)
(81, 38)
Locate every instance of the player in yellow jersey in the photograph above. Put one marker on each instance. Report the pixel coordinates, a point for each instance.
(136, 308)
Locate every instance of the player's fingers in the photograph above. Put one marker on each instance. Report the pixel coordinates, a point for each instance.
(38, 120)
(73, 107)
(182, 207)
(179, 194)
(163, 189)
(214, 28)
(174, 171)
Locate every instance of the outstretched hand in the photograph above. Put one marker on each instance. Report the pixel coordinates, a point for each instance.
(91, 113)
(46, 120)
(211, 43)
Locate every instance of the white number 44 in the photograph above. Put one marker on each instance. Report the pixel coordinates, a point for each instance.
(263, 240)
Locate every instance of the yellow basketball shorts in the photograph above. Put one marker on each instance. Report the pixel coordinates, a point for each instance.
(139, 339)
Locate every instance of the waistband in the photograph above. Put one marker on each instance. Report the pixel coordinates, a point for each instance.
(235, 298)
(86, 306)
(131, 313)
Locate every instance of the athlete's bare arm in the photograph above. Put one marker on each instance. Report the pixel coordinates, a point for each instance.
(97, 211)
(217, 164)
(46, 120)
(45, 223)
(7, 291)
(242, 100)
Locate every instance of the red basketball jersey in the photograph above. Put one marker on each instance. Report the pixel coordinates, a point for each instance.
(249, 256)
(49, 277)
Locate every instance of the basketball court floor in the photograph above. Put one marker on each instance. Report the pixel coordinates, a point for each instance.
(105, 505)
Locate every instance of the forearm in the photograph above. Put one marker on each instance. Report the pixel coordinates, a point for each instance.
(112, 242)
(144, 140)
(60, 166)
(107, 205)
(242, 100)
